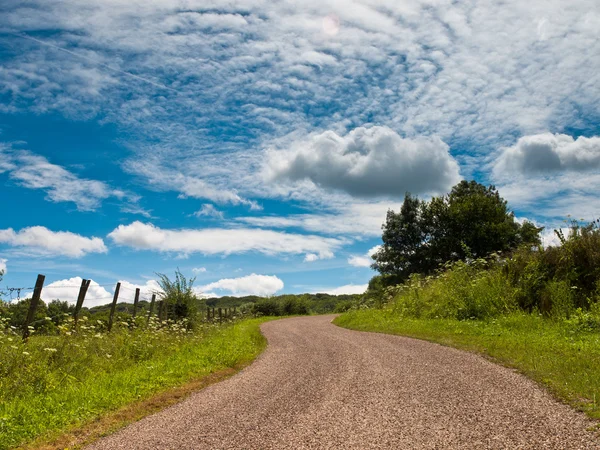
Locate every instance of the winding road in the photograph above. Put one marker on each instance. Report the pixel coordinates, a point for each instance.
(318, 386)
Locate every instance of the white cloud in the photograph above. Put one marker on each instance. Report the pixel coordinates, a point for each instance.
(202, 94)
(548, 153)
(551, 175)
(208, 210)
(253, 284)
(68, 290)
(171, 179)
(211, 241)
(367, 162)
(550, 239)
(363, 260)
(199, 270)
(3, 268)
(44, 242)
(346, 289)
(310, 257)
(35, 172)
(127, 292)
(356, 219)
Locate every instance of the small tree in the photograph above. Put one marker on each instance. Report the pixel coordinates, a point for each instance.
(178, 296)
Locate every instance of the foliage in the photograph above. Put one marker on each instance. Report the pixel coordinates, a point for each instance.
(179, 296)
(553, 281)
(51, 383)
(563, 355)
(472, 221)
(285, 305)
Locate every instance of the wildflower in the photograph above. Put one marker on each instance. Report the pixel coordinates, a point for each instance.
(51, 350)
(108, 356)
(15, 347)
(26, 353)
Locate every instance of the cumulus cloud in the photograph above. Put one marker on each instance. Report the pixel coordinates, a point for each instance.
(127, 292)
(68, 290)
(35, 172)
(212, 241)
(548, 153)
(44, 242)
(310, 257)
(346, 289)
(368, 162)
(363, 260)
(199, 270)
(253, 284)
(550, 175)
(3, 268)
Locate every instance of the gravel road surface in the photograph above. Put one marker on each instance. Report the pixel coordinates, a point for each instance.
(320, 386)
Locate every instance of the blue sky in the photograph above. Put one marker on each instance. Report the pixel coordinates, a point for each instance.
(259, 146)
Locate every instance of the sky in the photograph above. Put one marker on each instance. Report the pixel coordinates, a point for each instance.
(257, 145)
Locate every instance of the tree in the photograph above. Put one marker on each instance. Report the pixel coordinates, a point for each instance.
(472, 221)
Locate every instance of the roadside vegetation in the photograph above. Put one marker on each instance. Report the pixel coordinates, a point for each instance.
(52, 384)
(70, 377)
(533, 308)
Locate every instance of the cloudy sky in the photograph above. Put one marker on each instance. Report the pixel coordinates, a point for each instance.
(258, 146)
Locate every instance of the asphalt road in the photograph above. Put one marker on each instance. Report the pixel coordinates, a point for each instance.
(320, 386)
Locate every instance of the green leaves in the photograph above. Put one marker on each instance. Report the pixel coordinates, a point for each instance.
(471, 222)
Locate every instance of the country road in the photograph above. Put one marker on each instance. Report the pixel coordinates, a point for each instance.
(319, 386)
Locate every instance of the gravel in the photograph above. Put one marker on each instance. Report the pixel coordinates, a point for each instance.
(321, 386)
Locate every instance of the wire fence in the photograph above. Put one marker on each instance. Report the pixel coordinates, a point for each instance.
(150, 295)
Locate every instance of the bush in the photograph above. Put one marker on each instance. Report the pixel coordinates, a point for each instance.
(267, 307)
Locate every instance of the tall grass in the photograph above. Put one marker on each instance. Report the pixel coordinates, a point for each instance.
(53, 383)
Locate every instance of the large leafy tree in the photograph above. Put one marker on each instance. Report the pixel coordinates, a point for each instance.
(471, 221)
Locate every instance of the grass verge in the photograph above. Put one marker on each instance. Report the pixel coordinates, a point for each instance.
(556, 354)
(78, 411)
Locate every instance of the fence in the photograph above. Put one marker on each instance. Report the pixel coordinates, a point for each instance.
(211, 314)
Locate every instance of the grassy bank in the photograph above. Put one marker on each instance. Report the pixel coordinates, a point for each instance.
(56, 384)
(562, 355)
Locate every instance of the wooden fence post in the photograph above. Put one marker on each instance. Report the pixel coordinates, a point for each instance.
(163, 311)
(207, 314)
(220, 315)
(113, 306)
(151, 308)
(35, 299)
(85, 284)
(135, 301)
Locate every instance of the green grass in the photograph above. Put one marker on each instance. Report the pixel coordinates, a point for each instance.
(561, 355)
(53, 384)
